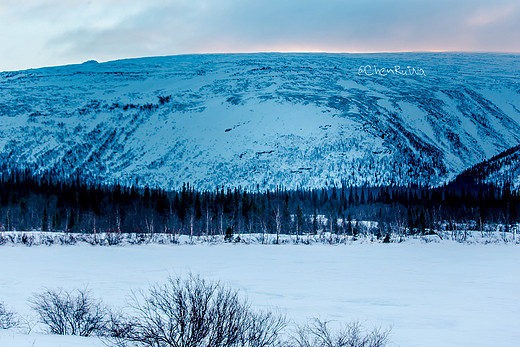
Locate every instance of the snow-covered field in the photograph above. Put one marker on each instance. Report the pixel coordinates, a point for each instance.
(442, 294)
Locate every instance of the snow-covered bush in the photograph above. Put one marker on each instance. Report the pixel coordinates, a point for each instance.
(7, 318)
(73, 312)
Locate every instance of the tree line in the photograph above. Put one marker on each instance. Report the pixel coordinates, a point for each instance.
(47, 202)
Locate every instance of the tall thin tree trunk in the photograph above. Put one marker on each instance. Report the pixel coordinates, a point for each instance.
(278, 224)
(191, 225)
(207, 221)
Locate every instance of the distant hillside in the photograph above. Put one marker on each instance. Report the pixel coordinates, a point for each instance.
(501, 170)
(263, 120)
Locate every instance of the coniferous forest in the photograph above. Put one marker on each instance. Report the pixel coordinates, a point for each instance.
(46, 203)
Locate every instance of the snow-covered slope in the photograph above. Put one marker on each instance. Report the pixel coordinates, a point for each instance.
(263, 119)
(501, 170)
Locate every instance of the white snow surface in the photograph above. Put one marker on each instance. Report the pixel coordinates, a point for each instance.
(435, 294)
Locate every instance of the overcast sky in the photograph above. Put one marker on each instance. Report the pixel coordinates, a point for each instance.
(38, 33)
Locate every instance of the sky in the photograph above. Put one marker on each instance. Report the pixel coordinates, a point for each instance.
(36, 33)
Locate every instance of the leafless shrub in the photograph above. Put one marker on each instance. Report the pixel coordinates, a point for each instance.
(118, 329)
(187, 312)
(194, 312)
(113, 237)
(8, 319)
(27, 240)
(263, 329)
(72, 312)
(319, 334)
(67, 239)
(26, 324)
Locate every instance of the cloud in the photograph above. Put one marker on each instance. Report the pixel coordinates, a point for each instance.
(54, 32)
(493, 15)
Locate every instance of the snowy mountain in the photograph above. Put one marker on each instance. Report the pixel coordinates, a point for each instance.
(501, 170)
(293, 120)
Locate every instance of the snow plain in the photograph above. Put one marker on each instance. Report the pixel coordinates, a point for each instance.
(443, 294)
